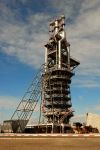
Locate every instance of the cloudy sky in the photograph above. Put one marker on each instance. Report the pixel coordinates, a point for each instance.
(23, 33)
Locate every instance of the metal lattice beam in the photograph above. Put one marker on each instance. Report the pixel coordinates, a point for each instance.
(28, 103)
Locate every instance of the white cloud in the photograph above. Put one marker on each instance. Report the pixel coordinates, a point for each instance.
(87, 83)
(69, 8)
(84, 38)
(16, 43)
(79, 118)
(8, 102)
(94, 108)
(8, 105)
(97, 108)
(90, 4)
(24, 40)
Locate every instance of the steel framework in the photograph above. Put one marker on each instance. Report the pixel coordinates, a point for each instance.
(52, 83)
(59, 67)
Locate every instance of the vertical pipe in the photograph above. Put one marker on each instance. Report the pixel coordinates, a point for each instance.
(46, 59)
(56, 26)
(56, 56)
(62, 128)
(63, 21)
(52, 127)
(59, 54)
(68, 57)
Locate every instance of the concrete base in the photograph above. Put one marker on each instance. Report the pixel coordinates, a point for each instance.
(49, 128)
(13, 126)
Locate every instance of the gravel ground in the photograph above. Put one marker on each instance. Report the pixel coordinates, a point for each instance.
(64, 143)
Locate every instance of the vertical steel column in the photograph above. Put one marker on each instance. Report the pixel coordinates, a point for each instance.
(68, 49)
(59, 54)
(56, 26)
(46, 59)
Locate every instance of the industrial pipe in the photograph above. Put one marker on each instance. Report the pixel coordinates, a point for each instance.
(63, 36)
(68, 49)
(56, 26)
(46, 59)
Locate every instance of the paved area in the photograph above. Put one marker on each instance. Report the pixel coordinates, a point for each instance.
(50, 143)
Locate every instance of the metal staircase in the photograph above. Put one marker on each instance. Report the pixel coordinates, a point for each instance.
(67, 113)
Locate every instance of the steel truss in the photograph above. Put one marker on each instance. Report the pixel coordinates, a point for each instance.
(29, 101)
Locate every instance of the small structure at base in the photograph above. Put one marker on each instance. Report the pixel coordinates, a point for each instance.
(93, 120)
(12, 126)
(49, 128)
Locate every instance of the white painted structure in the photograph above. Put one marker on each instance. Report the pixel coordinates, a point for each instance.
(93, 120)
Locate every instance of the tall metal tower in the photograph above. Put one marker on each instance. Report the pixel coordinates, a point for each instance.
(59, 65)
(51, 85)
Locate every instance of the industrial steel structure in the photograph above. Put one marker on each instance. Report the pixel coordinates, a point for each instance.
(59, 66)
(51, 86)
(28, 103)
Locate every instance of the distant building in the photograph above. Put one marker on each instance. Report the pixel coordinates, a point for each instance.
(93, 120)
(0, 128)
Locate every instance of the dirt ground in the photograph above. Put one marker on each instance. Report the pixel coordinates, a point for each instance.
(50, 143)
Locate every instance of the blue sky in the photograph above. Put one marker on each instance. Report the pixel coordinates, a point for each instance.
(23, 33)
